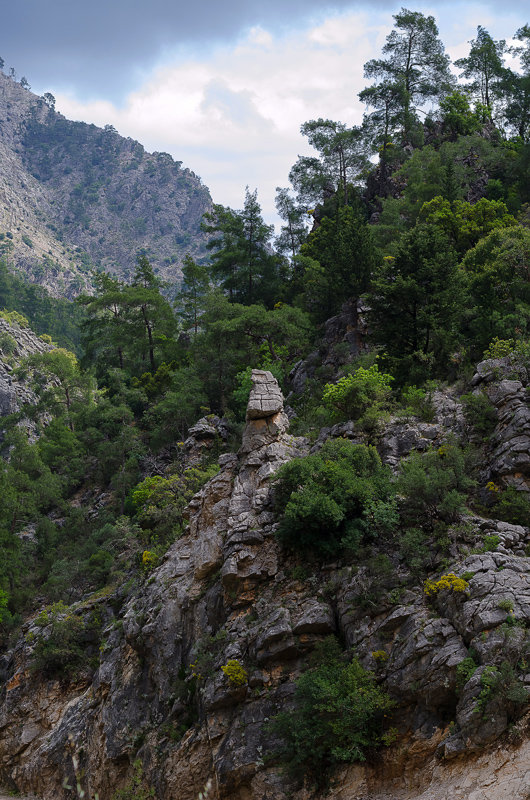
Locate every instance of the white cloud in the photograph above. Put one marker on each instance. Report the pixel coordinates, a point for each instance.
(233, 115)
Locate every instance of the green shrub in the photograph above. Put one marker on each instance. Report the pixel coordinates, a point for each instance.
(512, 506)
(339, 714)
(414, 550)
(333, 498)
(480, 413)
(160, 502)
(64, 649)
(7, 344)
(418, 402)
(500, 683)
(354, 394)
(14, 318)
(433, 485)
(499, 348)
(464, 671)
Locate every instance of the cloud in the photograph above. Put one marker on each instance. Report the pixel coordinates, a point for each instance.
(233, 113)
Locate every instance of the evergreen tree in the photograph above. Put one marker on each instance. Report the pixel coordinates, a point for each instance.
(484, 66)
(294, 232)
(416, 64)
(341, 152)
(342, 256)
(416, 304)
(191, 297)
(516, 87)
(242, 260)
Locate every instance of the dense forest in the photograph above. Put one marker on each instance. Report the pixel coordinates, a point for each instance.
(421, 215)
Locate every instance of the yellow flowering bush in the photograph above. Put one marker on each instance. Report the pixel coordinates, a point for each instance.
(450, 582)
(149, 560)
(235, 672)
(380, 656)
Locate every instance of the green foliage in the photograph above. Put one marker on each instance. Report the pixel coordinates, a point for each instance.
(65, 643)
(14, 318)
(512, 506)
(499, 290)
(466, 223)
(500, 684)
(433, 485)
(464, 671)
(160, 501)
(30, 305)
(416, 61)
(499, 348)
(480, 413)
(344, 251)
(330, 500)
(414, 549)
(353, 394)
(416, 306)
(417, 401)
(338, 715)
(241, 258)
(457, 116)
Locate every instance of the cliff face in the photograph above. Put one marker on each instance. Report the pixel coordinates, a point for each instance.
(226, 590)
(16, 343)
(74, 196)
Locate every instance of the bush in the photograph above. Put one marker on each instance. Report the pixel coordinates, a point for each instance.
(512, 506)
(449, 582)
(63, 648)
(235, 672)
(333, 498)
(418, 402)
(339, 713)
(480, 413)
(433, 485)
(464, 672)
(354, 394)
(500, 683)
(414, 550)
(160, 502)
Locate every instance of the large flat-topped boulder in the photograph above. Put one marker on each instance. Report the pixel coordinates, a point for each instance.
(265, 398)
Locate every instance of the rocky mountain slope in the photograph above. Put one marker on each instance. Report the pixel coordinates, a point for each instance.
(226, 591)
(74, 196)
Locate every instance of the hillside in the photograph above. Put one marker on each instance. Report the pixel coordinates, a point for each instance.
(75, 197)
(272, 541)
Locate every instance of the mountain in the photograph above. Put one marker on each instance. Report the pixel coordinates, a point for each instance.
(74, 197)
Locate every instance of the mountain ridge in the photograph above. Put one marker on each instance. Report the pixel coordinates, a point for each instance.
(75, 197)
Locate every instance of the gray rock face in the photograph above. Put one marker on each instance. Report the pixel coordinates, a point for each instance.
(17, 343)
(226, 591)
(505, 382)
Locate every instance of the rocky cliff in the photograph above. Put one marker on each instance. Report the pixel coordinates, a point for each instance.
(226, 591)
(75, 197)
(16, 344)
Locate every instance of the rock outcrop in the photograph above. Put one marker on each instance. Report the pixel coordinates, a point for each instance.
(506, 383)
(226, 591)
(16, 343)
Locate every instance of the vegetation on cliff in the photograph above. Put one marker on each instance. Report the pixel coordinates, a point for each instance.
(431, 246)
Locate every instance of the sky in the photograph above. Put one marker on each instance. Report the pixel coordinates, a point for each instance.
(222, 86)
